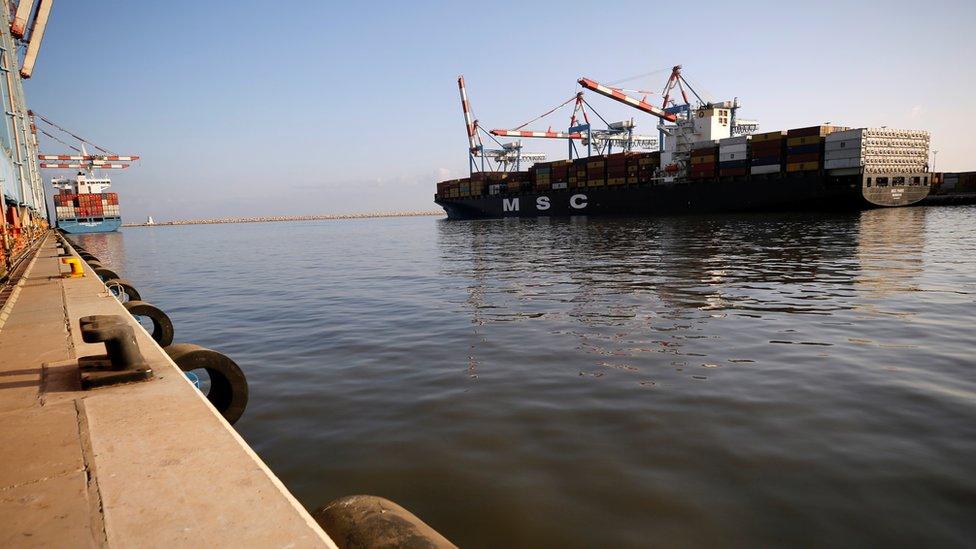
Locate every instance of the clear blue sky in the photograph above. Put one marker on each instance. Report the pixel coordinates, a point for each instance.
(253, 108)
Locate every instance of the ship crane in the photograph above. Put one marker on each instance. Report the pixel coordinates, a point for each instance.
(510, 155)
(617, 133)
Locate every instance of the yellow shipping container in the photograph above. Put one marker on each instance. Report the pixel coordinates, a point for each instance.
(768, 136)
(572, 180)
(631, 180)
(803, 167)
(707, 159)
(616, 181)
(595, 183)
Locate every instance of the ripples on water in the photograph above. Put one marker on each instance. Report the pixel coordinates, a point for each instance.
(739, 380)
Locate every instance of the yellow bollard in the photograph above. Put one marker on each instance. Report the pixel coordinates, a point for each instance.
(76, 269)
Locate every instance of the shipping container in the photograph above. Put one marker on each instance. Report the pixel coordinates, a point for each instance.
(802, 167)
(819, 131)
(764, 169)
(734, 172)
(768, 136)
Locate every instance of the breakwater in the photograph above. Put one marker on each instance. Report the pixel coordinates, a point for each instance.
(275, 218)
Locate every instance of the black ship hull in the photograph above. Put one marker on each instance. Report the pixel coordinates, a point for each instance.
(813, 191)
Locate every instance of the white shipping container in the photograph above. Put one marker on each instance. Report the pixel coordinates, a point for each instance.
(703, 145)
(757, 170)
(740, 140)
(732, 156)
(733, 148)
(561, 185)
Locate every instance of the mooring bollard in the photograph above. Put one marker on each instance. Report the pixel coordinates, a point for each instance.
(123, 362)
(76, 269)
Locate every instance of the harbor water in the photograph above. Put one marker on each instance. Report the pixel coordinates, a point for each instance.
(748, 380)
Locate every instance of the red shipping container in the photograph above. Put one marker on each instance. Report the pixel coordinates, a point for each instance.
(766, 147)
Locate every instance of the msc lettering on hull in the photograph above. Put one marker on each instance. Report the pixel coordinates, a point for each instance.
(542, 203)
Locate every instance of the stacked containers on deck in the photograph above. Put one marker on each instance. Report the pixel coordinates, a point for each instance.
(596, 171)
(617, 168)
(481, 178)
(704, 160)
(560, 173)
(110, 205)
(805, 146)
(64, 205)
(520, 181)
(448, 189)
(733, 156)
(542, 176)
(577, 173)
(645, 163)
(878, 150)
(767, 151)
(496, 182)
(959, 182)
(477, 186)
(89, 205)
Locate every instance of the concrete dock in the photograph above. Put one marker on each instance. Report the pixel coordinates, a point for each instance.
(142, 464)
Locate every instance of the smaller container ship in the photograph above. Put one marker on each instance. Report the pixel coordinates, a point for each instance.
(82, 206)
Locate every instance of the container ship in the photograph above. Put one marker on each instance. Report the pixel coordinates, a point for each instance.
(707, 161)
(81, 207)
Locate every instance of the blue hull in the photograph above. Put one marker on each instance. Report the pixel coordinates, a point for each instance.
(79, 226)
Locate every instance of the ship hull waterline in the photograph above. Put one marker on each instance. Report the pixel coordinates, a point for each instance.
(814, 192)
(84, 226)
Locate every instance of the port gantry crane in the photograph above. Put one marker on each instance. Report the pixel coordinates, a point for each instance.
(82, 161)
(710, 120)
(620, 133)
(509, 156)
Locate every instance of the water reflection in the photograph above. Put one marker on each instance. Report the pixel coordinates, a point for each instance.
(681, 264)
(108, 247)
(889, 250)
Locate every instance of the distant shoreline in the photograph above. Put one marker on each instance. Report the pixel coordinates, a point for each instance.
(281, 218)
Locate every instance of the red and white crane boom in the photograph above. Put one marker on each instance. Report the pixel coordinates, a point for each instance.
(79, 166)
(469, 121)
(36, 36)
(545, 134)
(87, 157)
(618, 95)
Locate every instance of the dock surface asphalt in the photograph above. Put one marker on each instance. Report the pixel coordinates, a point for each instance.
(139, 465)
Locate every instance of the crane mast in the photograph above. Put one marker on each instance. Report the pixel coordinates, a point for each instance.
(510, 154)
